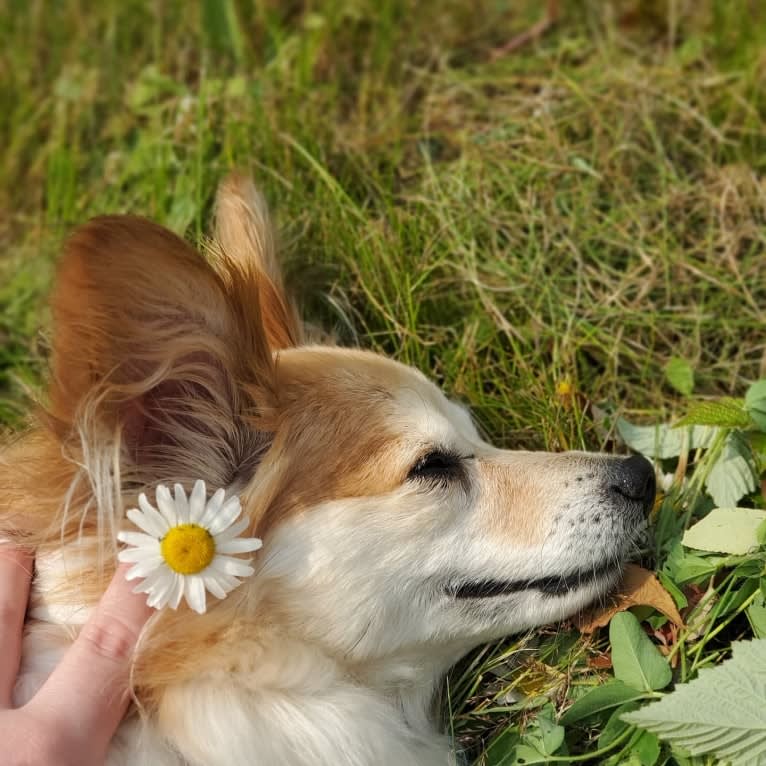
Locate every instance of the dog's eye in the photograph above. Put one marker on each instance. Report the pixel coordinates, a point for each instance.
(437, 466)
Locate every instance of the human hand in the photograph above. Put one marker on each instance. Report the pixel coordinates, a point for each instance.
(73, 717)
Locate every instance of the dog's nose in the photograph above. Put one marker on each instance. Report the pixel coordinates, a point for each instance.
(633, 478)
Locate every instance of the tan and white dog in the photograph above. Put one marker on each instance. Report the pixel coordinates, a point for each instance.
(395, 538)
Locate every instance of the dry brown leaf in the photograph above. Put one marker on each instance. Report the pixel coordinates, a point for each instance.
(639, 587)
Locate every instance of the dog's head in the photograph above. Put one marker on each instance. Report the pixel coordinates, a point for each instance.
(389, 524)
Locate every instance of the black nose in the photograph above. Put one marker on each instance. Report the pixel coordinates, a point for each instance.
(633, 479)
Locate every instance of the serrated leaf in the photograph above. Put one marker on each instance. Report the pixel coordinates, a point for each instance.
(755, 403)
(609, 695)
(662, 441)
(721, 713)
(726, 530)
(732, 476)
(636, 660)
(680, 374)
(727, 413)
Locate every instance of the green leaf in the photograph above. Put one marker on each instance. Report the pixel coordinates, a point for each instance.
(502, 749)
(756, 613)
(662, 441)
(647, 748)
(636, 660)
(609, 695)
(615, 726)
(755, 403)
(684, 567)
(726, 530)
(727, 413)
(680, 374)
(524, 754)
(721, 713)
(673, 589)
(732, 476)
(542, 738)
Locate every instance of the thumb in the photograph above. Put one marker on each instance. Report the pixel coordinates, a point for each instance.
(87, 694)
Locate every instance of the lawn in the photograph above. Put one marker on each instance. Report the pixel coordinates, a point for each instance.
(560, 234)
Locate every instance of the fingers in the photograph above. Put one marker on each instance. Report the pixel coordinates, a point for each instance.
(87, 694)
(15, 576)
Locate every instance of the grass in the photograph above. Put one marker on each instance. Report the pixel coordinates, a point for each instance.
(579, 211)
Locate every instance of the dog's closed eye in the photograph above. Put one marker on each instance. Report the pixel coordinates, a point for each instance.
(439, 466)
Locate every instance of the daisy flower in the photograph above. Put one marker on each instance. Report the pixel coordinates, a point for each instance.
(185, 545)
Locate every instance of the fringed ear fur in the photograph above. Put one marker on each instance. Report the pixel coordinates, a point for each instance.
(243, 232)
(159, 360)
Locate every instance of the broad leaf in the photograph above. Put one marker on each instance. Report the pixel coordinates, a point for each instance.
(662, 441)
(721, 713)
(636, 660)
(755, 403)
(733, 476)
(609, 695)
(680, 374)
(726, 530)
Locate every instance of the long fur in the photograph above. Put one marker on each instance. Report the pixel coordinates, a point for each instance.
(170, 367)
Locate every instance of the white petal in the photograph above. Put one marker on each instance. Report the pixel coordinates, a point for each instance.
(212, 584)
(151, 581)
(197, 501)
(227, 582)
(133, 555)
(212, 508)
(195, 593)
(226, 516)
(182, 504)
(152, 523)
(231, 566)
(166, 505)
(144, 568)
(139, 540)
(145, 505)
(159, 595)
(156, 585)
(240, 545)
(235, 530)
(177, 591)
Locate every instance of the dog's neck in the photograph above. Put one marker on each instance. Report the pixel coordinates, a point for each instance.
(285, 703)
(265, 696)
(298, 706)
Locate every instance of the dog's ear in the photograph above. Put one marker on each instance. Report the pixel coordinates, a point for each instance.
(157, 354)
(243, 232)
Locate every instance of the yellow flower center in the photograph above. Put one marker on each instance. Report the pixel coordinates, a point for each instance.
(187, 548)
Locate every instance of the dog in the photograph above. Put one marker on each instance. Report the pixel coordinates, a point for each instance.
(396, 539)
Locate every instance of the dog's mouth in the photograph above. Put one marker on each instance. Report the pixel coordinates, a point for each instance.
(551, 585)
